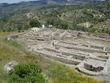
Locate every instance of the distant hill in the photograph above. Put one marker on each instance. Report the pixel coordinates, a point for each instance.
(6, 8)
(74, 1)
(39, 2)
(86, 17)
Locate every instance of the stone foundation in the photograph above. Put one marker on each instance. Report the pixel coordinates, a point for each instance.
(85, 53)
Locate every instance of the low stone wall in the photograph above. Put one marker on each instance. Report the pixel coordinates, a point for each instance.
(75, 56)
(64, 60)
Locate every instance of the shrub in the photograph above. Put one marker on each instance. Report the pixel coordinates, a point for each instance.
(26, 74)
(35, 23)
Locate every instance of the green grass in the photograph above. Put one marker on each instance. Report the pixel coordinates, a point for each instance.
(24, 73)
(54, 71)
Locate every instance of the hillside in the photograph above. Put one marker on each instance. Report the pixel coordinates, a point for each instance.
(59, 73)
(59, 52)
(89, 17)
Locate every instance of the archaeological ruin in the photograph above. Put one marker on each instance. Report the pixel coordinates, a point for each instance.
(85, 52)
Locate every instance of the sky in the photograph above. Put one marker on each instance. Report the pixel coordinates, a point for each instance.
(16, 1)
(13, 1)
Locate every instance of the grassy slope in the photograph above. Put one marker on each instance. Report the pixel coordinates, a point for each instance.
(55, 72)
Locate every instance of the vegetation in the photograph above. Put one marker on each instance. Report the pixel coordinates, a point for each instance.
(35, 23)
(26, 74)
(92, 17)
(58, 23)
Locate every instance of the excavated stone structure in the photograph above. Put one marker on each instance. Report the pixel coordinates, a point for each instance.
(86, 53)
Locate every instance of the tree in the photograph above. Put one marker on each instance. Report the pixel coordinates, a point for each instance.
(35, 23)
(108, 4)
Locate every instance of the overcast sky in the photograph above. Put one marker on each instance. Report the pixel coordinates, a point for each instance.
(13, 1)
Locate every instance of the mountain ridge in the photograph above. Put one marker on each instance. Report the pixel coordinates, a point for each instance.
(49, 2)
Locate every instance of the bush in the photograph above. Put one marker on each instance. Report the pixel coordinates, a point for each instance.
(35, 23)
(26, 74)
